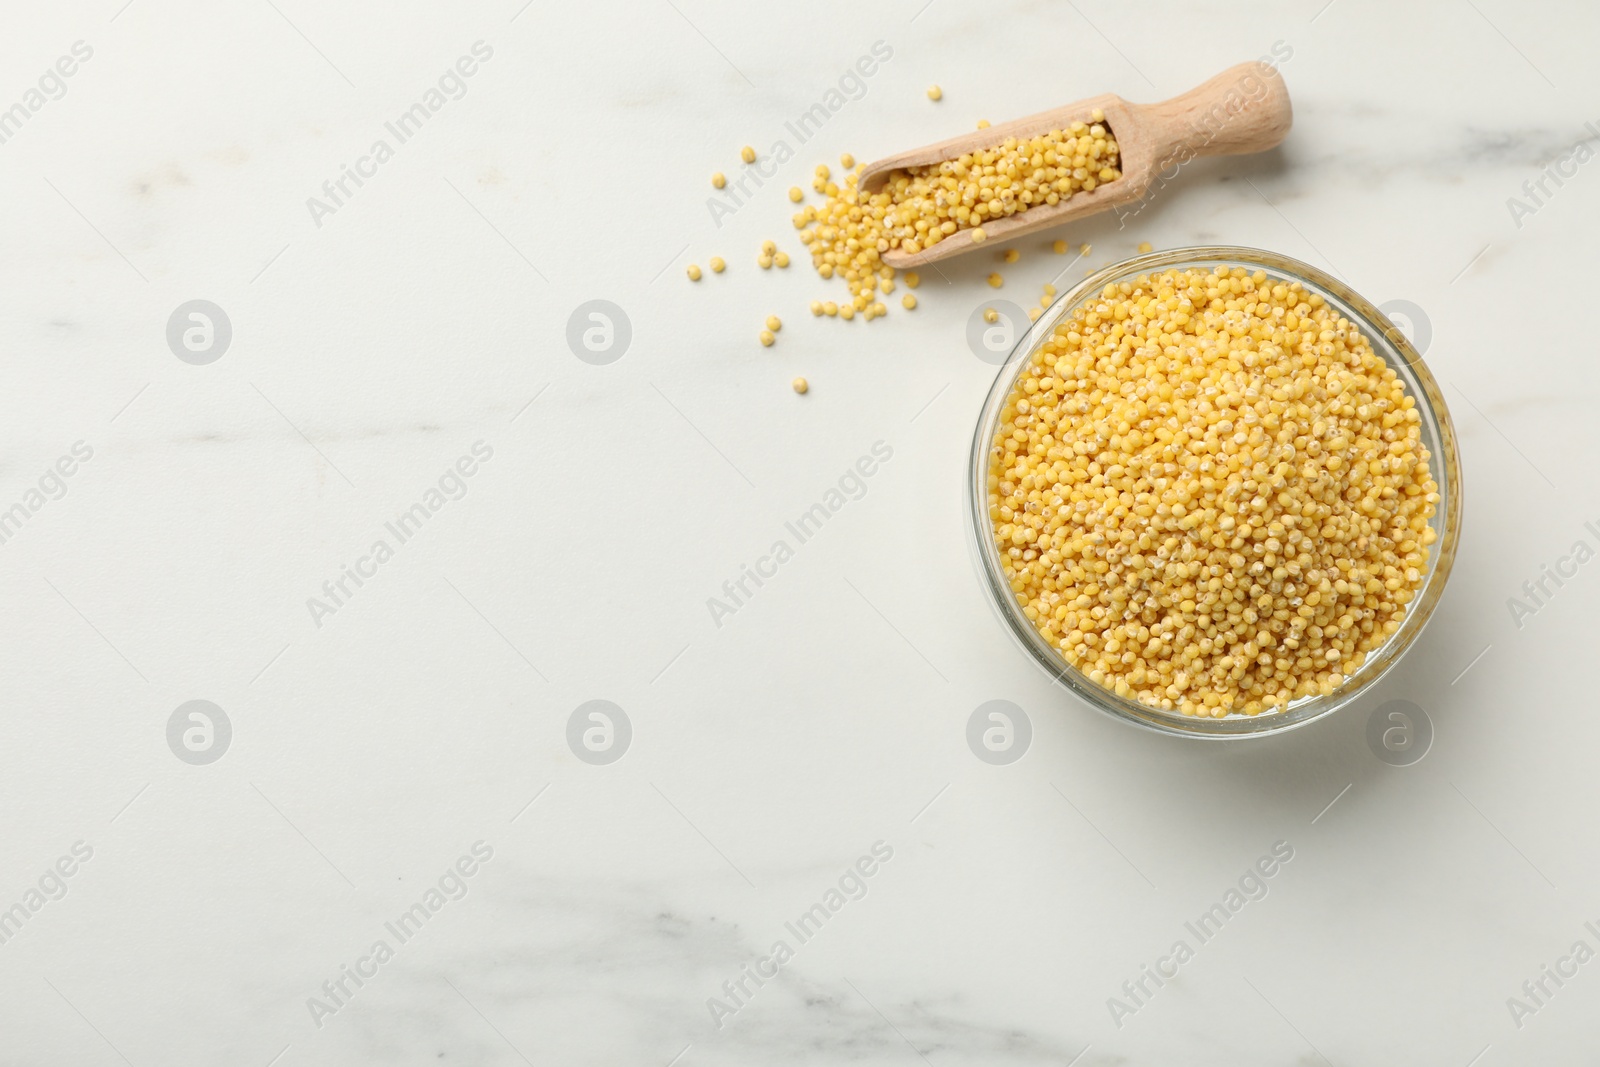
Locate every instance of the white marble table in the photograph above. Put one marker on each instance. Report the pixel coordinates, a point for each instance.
(386, 342)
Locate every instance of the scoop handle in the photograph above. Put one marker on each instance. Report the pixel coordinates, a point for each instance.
(1243, 109)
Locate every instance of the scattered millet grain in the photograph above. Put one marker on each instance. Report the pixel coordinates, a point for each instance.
(1210, 493)
(718, 180)
(1145, 246)
(1010, 255)
(767, 338)
(1059, 248)
(747, 154)
(796, 194)
(913, 279)
(800, 385)
(991, 315)
(694, 272)
(774, 323)
(717, 265)
(908, 301)
(781, 259)
(935, 93)
(995, 281)
(847, 161)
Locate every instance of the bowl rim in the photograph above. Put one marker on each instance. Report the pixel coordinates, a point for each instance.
(1438, 434)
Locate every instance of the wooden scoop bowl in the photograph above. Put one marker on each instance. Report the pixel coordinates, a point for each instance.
(1243, 109)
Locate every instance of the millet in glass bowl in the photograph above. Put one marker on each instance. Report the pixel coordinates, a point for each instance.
(1214, 492)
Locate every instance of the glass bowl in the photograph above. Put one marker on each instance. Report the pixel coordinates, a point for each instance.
(1438, 436)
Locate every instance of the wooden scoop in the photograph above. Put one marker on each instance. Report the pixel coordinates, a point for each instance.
(1243, 109)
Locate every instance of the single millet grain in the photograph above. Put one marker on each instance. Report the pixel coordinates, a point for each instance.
(1210, 493)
